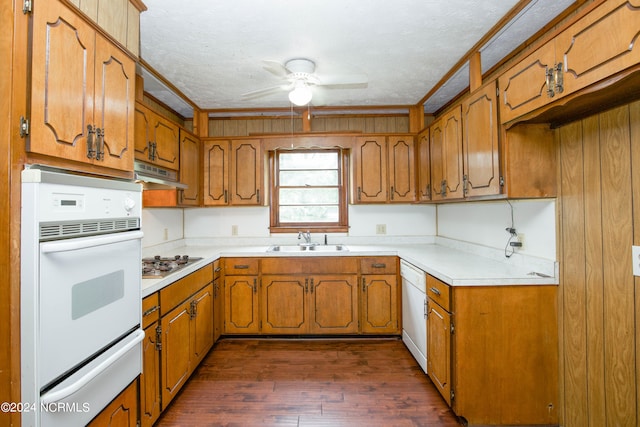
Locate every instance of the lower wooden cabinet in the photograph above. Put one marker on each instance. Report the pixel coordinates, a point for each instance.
(122, 411)
(380, 304)
(241, 305)
(150, 391)
(314, 304)
(493, 352)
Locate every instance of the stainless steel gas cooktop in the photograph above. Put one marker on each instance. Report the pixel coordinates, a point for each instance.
(159, 266)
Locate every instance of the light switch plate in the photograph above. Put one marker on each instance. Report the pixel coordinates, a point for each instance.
(635, 254)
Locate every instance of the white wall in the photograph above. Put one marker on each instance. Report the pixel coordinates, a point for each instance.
(481, 223)
(484, 223)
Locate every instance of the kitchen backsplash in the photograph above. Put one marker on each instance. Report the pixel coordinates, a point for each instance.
(480, 224)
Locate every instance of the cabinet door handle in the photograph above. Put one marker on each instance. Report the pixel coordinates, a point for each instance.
(91, 152)
(193, 309)
(312, 285)
(558, 78)
(549, 80)
(435, 291)
(255, 286)
(99, 144)
(359, 193)
(151, 310)
(425, 308)
(217, 269)
(306, 285)
(241, 267)
(392, 192)
(258, 195)
(226, 197)
(364, 287)
(378, 265)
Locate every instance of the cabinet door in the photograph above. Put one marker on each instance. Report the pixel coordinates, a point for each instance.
(114, 105)
(334, 304)
(247, 172)
(142, 133)
(480, 144)
(370, 170)
(523, 87)
(600, 44)
(189, 168)
(446, 156)
(216, 173)
(62, 82)
(380, 304)
(121, 412)
(176, 351)
(202, 314)
(150, 378)
(241, 305)
(165, 134)
(218, 309)
(285, 304)
(424, 167)
(439, 345)
(402, 175)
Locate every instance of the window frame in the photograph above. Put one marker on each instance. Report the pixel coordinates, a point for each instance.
(340, 226)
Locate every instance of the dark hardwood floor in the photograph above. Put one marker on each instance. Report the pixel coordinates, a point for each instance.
(315, 382)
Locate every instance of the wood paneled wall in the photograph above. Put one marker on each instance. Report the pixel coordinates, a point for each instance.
(253, 126)
(599, 221)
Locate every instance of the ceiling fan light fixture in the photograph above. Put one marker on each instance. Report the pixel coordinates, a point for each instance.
(300, 95)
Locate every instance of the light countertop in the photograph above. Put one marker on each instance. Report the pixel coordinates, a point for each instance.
(453, 266)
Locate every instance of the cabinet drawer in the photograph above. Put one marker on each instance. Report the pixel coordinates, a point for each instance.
(240, 266)
(379, 265)
(439, 292)
(217, 269)
(150, 310)
(182, 289)
(310, 265)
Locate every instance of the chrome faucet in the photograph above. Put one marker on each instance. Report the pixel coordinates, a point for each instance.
(307, 236)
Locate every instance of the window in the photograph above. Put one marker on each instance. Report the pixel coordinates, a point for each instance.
(308, 190)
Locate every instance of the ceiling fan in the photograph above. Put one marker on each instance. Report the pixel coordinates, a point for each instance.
(303, 84)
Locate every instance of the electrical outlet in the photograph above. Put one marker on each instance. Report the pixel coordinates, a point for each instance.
(234, 230)
(521, 239)
(635, 254)
(381, 229)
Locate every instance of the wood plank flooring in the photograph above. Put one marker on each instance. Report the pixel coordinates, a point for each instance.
(315, 382)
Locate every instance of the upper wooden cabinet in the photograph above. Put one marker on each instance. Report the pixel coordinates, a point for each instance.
(189, 169)
(598, 45)
(446, 156)
(480, 148)
(157, 139)
(71, 61)
(384, 169)
(234, 172)
(423, 172)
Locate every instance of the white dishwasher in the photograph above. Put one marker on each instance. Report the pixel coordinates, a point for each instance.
(414, 311)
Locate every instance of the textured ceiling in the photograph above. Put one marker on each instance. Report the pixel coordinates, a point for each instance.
(213, 51)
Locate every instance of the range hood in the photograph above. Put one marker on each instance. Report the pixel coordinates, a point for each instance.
(156, 177)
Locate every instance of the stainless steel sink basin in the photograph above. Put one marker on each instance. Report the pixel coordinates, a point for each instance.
(307, 248)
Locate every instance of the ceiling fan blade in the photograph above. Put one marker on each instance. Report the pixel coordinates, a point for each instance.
(275, 68)
(342, 79)
(265, 91)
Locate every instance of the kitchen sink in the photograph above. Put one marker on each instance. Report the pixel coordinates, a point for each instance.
(307, 248)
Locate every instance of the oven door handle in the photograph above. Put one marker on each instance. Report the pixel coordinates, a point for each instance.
(69, 390)
(84, 243)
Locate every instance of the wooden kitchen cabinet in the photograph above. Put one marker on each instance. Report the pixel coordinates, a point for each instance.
(71, 60)
(186, 333)
(597, 46)
(379, 295)
(492, 351)
(384, 169)
(122, 411)
(423, 169)
(311, 304)
(446, 156)
(157, 139)
(234, 173)
(241, 295)
(439, 329)
(189, 169)
(480, 144)
(218, 300)
(150, 388)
